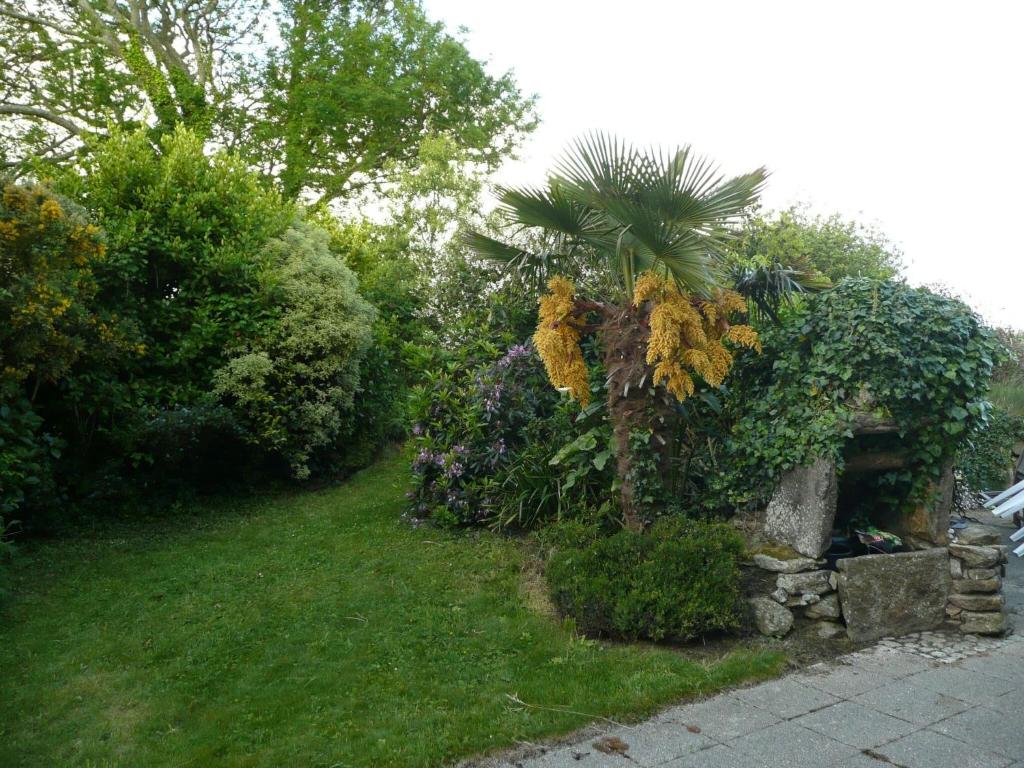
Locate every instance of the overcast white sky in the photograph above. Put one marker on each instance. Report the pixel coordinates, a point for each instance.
(903, 114)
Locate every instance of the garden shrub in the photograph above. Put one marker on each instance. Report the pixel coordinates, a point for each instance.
(491, 446)
(986, 460)
(291, 386)
(27, 454)
(677, 580)
(53, 336)
(187, 258)
(206, 333)
(402, 337)
(925, 359)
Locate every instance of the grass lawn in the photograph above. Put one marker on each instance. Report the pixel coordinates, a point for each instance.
(305, 629)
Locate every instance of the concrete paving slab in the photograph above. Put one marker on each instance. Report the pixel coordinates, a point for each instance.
(892, 663)
(788, 744)
(576, 756)
(927, 749)
(1004, 666)
(656, 742)
(721, 718)
(915, 705)
(786, 698)
(877, 709)
(1011, 703)
(863, 761)
(986, 729)
(856, 725)
(843, 680)
(968, 685)
(719, 756)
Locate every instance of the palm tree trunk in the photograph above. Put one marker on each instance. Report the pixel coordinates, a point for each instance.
(630, 406)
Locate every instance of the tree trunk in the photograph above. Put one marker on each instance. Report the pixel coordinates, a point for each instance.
(631, 406)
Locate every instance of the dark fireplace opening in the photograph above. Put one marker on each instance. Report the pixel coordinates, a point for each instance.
(872, 497)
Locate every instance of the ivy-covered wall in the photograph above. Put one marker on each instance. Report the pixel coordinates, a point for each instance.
(924, 359)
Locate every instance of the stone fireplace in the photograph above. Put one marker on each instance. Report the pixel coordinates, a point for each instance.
(869, 596)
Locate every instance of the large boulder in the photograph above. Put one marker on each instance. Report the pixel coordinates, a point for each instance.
(803, 508)
(928, 524)
(771, 618)
(886, 595)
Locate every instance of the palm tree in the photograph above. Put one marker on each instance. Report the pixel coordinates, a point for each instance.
(644, 234)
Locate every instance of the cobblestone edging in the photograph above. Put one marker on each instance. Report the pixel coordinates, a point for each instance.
(946, 647)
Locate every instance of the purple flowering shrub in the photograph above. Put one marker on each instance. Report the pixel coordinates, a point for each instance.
(473, 429)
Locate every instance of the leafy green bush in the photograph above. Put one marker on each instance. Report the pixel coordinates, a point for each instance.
(26, 455)
(986, 460)
(678, 580)
(52, 334)
(402, 337)
(835, 247)
(6, 551)
(187, 258)
(291, 386)
(922, 359)
(489, 447)
(207, 332)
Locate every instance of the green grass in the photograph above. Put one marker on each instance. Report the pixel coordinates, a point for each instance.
(1009, 396)
(306, 629)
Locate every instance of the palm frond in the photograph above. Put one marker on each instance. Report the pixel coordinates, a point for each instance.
(672, 211)
(532, 268)
(548, 209)
(768, 288)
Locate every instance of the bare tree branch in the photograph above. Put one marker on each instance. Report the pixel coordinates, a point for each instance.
(25, 110)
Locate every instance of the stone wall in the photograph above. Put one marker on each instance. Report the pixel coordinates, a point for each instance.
(802, 587)
(975, 603)
(876, 596)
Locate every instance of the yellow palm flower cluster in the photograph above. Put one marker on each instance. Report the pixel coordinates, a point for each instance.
(558, 340)
(687, 333)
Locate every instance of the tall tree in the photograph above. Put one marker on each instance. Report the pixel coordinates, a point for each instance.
(647, 233)
(357, 84)
(351, 89)
(832, 246)
(73, 68)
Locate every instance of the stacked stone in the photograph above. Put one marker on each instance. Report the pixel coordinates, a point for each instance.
(975, 602)
(801, 586)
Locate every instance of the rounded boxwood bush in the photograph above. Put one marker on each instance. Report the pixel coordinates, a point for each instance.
(678, 580)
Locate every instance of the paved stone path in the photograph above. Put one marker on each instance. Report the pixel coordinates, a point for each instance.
(924, 701)
(930, 700)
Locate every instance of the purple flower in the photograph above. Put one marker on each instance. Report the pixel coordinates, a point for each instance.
(517, 352)
(417, 430)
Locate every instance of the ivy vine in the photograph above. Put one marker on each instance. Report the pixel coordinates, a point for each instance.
(923, 360)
